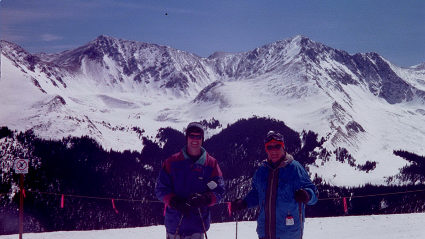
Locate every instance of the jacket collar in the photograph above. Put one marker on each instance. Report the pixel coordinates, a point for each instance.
(201, 159)
(287, 160)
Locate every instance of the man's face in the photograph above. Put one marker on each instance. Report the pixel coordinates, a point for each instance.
(275, 150)
(194, 141)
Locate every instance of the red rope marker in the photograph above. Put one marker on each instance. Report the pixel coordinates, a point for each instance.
(345, 205)
(62, 200)
(165, 208)
(113, 206)
(229, 208)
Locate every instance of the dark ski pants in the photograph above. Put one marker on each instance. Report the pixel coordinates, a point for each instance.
(193, 236)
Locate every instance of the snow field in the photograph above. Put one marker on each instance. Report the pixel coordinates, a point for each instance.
(395, 226)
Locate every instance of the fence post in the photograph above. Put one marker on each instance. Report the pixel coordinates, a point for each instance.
(21, 205)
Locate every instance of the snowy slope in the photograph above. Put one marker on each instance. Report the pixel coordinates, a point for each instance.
(397, 226)
(113, 89)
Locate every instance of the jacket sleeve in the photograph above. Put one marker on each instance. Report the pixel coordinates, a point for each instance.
(251, 198)
(217, 193)
(164, 189)
(306, 184)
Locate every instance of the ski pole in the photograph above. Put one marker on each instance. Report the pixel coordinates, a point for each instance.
(203, 224)
(178, 226)
(236, 228)
(229, 209)
(300, 210)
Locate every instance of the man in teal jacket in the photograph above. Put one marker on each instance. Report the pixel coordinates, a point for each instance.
(282, 188)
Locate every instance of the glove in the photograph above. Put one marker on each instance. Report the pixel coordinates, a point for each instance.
(198, 200)
(237, 205)
(180, 204)
(302, 196)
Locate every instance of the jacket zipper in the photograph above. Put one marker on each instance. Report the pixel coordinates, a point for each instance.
(270, 204)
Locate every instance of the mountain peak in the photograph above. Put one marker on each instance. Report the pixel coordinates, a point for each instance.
(105, 37)
(301, 39)
(104, 40)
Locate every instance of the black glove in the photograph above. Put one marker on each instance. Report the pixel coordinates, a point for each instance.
(180, 204)
(199, 200)
(237, 205)
(302, 196)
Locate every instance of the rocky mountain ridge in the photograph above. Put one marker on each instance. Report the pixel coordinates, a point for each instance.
(117, 91)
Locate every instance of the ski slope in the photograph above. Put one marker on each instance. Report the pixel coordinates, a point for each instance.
(396, 226)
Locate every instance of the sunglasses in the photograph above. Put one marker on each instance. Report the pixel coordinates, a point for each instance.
(276, 147)
(195, 136)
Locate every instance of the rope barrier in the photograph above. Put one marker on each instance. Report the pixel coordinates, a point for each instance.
(373, 195)
(157, 201)
(93, 197)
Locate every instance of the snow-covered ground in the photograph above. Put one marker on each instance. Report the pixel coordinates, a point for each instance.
(396, 226)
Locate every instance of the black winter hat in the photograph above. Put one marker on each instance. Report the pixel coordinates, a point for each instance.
(273, 135)
(195, 127)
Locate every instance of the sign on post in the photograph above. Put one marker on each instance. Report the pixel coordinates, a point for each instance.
(21, 166)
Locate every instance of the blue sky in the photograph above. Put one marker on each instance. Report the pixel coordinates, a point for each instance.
(394, 29)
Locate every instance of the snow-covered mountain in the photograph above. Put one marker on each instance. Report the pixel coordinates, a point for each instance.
(117, 91)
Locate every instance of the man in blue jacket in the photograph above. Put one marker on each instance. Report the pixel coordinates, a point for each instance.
(282, 188)
(189, 182)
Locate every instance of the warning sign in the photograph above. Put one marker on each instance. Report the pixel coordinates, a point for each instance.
(21, 166)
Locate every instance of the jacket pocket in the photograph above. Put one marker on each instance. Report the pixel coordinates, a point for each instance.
(288, 218)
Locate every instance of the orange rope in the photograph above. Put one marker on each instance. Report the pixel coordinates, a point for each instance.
(374, 195)
(157, 201)
(93, 197)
